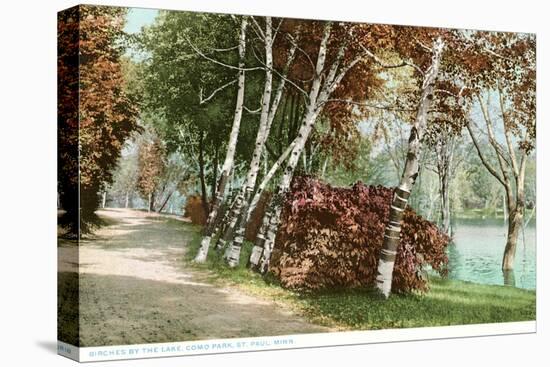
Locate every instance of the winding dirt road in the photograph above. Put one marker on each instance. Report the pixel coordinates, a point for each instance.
(135, 288)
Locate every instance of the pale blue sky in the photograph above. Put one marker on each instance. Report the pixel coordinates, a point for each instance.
(139, 17)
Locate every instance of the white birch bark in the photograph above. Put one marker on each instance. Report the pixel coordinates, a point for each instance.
(312, 111)
(230, 229)
(231, 147)
(257, 250)
(261, 137)
(268, 176)
(410, 172)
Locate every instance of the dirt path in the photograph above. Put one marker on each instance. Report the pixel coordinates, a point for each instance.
(136, 289)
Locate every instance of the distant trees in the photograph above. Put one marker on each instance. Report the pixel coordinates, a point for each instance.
(125, 177)
(151, 168)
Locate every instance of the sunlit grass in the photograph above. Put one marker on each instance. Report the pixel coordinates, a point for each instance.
(448, 302)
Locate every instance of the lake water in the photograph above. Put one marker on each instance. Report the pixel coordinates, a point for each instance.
(476, 254)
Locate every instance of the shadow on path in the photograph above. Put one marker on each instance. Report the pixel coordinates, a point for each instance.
(134, 289)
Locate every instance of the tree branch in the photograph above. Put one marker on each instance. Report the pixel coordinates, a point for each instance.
(204, 56)
(202, 101)
(491, 170)
(507, 134)
(390, 66)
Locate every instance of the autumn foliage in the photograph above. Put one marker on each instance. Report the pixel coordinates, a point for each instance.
(331, 237)
(194, 210)
(151, 167)
(95, 113)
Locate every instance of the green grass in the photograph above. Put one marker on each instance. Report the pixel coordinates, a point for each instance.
(448, 302)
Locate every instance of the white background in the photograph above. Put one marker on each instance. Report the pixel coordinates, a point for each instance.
(28, 181)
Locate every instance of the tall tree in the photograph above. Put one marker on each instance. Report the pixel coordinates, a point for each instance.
(410, 172)
(267, 115)
(501, 70)
(230, 152)
(331, 67)
(107, 116)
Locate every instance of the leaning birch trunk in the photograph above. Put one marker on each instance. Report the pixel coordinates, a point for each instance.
(257, 251)
(317, 98)
(312, 111)
(258, 248)
(410, 172)
(230, 229)
(268, 176)
(261, 137)
(230, 154)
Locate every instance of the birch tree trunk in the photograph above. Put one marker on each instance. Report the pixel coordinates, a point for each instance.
(410, 172)
(445, 204)
(127, 199)
(312, 110)
(258, 248)
(324, 83)
(268, 176)
(261, 137)
(257, 251)
(204, 195)
(230, 154)
(515, 222)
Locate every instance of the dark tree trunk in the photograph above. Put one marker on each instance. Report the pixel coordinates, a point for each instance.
(165, 201)
(515, 222)
(152, 202)
(445, 204)
(291, 119)
(204, 194)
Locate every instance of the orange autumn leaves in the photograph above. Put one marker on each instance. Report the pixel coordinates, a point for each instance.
(95, 116)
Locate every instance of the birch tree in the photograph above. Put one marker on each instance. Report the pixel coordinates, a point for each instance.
(267, 115)
(410, 172)
(326, 79)
(230, 153)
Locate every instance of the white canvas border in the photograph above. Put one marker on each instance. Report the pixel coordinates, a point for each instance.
(262, 343)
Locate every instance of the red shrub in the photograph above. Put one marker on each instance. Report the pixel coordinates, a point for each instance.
(195, 210)
(331, 237)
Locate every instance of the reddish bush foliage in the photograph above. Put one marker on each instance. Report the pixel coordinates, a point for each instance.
(331, 237)
(195, 210)
(255, 222)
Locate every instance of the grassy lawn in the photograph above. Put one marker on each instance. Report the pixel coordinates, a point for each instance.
(448, 302)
